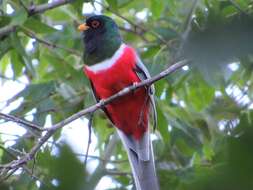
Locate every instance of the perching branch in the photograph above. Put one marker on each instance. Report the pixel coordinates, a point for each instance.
(121, 93)
(50, 131)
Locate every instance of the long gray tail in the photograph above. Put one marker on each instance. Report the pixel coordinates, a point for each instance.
(143, 169)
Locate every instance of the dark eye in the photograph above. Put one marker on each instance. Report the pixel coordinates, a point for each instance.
(95, 24)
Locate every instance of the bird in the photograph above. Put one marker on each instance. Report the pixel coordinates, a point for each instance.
(111, 65)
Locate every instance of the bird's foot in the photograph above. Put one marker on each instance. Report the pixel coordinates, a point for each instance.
(134, 84)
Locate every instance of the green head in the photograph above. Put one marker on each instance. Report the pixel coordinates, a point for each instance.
(101, 38)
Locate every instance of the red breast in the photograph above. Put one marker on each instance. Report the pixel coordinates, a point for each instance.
(130, 112)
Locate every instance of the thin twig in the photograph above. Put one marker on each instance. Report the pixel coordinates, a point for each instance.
(8, 175)
(26, 169)
(21, 122)
(118, 161)
(135, 32)
(47, 6)
(50, 44)
(101, 159)
(7, 29)
(135, 26)
(89, 138)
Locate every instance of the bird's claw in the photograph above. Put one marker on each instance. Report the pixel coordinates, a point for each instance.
(134, 84)
(102, 102)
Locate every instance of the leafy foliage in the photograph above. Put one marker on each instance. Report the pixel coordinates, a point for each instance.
(204, 136)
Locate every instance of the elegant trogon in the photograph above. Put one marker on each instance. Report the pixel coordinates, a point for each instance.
(111, 65)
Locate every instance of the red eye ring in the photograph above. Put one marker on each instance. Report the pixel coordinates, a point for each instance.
(95, 24)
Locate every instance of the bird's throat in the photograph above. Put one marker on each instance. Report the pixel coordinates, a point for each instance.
(109, 62)
(101, 49)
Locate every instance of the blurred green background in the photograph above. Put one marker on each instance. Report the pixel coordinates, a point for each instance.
(204, 139)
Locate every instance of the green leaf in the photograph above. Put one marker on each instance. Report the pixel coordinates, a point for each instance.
(5, 46)
(19, 17)
(4, 62)
(78, 5)
(113, 4)
(37, 26)
(17, 45)
(156, 7)
(72, 166)
(208, 152)
(17, 63)
(204, 135)
(150, 52)
(123, 3)
(43, 108)
(166, 32)
(4, 20)
(162, 123)
(103, 128)
(62, 14)
(36, 96)
(199, 93)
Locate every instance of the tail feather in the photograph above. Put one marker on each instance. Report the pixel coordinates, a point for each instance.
(142, 161)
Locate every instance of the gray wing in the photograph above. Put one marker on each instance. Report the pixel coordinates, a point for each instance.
(143, 74)
(141, 147)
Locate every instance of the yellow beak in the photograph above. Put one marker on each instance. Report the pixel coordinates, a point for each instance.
(83, 27)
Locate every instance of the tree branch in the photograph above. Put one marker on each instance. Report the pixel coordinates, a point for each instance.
(25, 168)
(32, 10)
(19, 121)
(45, 7)
(7, 29)
(50, 44)
(135, 26)
(135, 32)
(50, 131)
